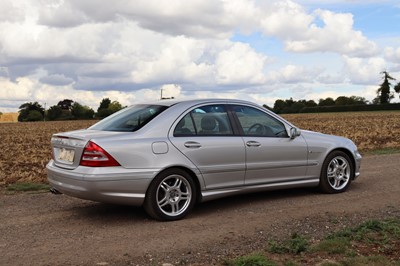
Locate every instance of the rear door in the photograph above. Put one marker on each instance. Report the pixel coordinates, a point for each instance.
(271, 156)
(206, 137)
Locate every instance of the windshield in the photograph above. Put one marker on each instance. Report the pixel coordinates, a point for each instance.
(129, 119)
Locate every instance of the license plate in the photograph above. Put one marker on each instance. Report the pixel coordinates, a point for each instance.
(66, 155)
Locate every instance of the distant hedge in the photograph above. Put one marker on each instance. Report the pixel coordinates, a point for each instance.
(351, 108)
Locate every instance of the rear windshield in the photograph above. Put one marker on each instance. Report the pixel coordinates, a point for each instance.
(129, 119)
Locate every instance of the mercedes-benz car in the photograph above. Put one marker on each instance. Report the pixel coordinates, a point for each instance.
(169, 155)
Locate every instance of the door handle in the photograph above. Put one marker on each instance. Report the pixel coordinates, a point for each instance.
(253, 143)
(192, 144)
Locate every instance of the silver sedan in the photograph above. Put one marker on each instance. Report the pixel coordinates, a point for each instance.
(168, 155)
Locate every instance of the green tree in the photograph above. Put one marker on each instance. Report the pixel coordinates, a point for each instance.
(34, 115)
(279, 106)
(26, 108)
(384, 90)
(358, 100)
(54, 112)
(343, 100)
(326, 102)
(310, 103)
(104, 104)
(115, 106)
(107, 108)
(65, 104)
(79, 111)
(397, 88)
(296, 107)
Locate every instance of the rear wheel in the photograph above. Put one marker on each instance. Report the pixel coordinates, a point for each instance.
(171, 195)
(337, 173)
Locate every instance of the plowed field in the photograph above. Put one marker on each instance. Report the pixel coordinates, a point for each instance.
(25, 147)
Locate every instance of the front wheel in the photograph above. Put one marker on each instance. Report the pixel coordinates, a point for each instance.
(337, 173)
(171, 195)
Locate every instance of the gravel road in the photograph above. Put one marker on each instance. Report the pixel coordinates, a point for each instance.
(46, 229)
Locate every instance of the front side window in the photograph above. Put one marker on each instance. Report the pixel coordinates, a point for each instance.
(129, 119)
(207, 120)
(255, 122)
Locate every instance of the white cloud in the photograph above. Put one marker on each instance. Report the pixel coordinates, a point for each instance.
(171, 91)
(178, 59)
(285, 20)
(21, 89)
(240, 64)
(392, 54)
(57, 80)
(294, 74)
(332, 78)
(364, 71)
(11, 11)
(55, 49)
(300, 33)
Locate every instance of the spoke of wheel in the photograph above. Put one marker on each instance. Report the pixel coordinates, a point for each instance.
(184, 196)
(164, 186)
(331, 174)
(163, 202)
(344, 165)
(332, 181)
(178, 183)
(174, 207)
(337, 183)
(335, 164)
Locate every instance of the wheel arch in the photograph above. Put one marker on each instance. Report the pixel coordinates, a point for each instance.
(351, 156)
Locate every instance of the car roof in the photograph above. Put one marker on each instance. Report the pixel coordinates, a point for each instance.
(170, 102)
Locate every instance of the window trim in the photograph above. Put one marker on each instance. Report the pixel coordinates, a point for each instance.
(232, 119)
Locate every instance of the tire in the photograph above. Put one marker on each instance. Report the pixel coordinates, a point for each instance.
(170, 196)
(337, 173)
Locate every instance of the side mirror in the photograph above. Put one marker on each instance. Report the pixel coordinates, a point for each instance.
(294, 132)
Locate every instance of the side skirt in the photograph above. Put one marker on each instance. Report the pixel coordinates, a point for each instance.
(208, 195)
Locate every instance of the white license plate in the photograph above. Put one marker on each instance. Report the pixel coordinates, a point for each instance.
(66, 155)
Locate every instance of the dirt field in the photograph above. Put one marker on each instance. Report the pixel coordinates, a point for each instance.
(26, 146)
(9, 117)
(46, 229)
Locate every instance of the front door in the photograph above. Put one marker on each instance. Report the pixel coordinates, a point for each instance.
(271, 156)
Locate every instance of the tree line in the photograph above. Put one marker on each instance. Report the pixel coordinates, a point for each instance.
(385, 93)
(67, 109)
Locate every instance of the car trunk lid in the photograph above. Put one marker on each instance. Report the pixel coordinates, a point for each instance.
(68, 147)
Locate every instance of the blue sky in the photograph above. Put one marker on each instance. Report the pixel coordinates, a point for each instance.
(256, 50)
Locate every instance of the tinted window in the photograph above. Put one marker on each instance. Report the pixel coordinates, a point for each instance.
(129, 119)
(255, 122)
(205, 121)
(185, 127)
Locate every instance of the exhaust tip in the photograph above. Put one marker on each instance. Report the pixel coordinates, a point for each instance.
(55, 191)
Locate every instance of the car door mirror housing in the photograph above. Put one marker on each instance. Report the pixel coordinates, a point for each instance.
(294, 132)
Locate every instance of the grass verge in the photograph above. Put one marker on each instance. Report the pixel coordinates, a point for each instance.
(28, 187)
(373, 242)
(382, 151)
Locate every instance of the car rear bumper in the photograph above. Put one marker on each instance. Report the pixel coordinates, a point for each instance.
(113, 185)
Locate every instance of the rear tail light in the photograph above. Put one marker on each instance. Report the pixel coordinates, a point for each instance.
(95, 156)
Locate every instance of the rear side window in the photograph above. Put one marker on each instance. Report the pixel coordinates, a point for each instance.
(129, 119)
(210, 120)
